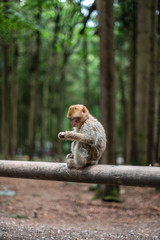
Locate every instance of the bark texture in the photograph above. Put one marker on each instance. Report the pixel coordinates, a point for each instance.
(14, 99)
(142, 81)
(107, 85)
(34, 90)
(153, 86)
(107, 76)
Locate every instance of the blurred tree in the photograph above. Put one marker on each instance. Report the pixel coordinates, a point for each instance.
(14, 98)
(143, 69)
(44, 109)
(107, 84)
(53, 88)
(130, 147)
(153, 85)
(64, 44)
(5, 101)
(127, 17)
(5, 84)
(33, 111)
(128, 29)
(158, 101)
(107, 76)
(86, 72)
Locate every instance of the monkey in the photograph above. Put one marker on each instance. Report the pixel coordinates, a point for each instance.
(88, 136)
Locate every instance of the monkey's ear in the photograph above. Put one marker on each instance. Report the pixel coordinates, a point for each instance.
(84, 109)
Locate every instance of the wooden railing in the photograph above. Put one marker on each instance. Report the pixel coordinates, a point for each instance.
(101, 174)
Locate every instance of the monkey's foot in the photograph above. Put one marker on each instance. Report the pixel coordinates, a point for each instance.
(71, 163)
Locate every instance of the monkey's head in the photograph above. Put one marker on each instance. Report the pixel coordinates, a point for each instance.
(77, 115)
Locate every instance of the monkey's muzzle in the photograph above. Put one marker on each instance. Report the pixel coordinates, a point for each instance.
(74, 121)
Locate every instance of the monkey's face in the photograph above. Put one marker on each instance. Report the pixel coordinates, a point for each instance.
(77, 115)
(75, 121)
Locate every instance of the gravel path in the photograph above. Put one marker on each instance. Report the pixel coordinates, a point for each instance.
(21, 231)
(61, 211)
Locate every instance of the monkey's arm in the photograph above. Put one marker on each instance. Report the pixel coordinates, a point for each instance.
(74, 136)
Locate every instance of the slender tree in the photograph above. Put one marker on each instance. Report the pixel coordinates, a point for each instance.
(14, 99)
(153, 85)
(67, 46)
(142, 82)
(130, 143)
(5, 90)
(5, 102)
(86, 71)
(107, 77)
(158, 107)
(44, 112)
(107, 81)
(34, 87)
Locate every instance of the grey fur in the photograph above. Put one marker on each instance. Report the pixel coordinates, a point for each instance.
(89, 143)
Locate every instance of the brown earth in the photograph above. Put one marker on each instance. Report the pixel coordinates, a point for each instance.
(58, 210)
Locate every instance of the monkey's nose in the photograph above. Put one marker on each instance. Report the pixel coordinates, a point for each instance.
(73, 122)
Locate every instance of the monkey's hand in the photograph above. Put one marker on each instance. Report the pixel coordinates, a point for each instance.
(63, 135)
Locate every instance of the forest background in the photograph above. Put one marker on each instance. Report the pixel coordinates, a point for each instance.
(103, 54)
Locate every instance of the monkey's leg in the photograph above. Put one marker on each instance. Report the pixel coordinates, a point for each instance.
(80, 157)
(81, 162)
(73, 163)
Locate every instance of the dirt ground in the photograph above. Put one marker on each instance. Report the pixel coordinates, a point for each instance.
(58, 210)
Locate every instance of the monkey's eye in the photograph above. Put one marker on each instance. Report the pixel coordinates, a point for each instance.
(75, 119)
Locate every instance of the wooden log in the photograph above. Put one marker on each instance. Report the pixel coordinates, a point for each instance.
(101, 174)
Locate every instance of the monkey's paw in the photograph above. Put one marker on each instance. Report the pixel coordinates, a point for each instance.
(61, 135)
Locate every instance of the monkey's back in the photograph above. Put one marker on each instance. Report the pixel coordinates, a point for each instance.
(96, 133)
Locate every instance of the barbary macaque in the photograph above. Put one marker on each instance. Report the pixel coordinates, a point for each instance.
(88, 136)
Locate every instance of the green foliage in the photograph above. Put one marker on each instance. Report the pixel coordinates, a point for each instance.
(62, 62)
(12, 20)
(112, 195)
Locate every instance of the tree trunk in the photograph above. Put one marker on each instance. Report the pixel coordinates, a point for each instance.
(158, 111)
(44, 115)
(34, 91)
(124, 122)
(5, 92)
(54, 113)
(14, 98)
(107, 77)
(107, 81)
(153, 86)
(130, 148)
(5, 103)
(142, 82)
(86, 72)
(60, 110)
